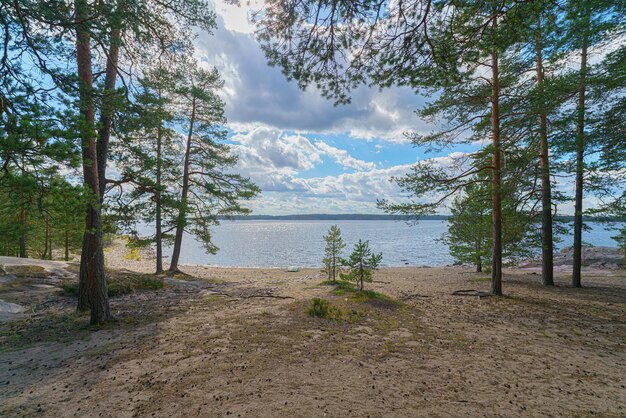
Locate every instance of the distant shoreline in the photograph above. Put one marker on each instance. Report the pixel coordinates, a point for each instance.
(383, 217)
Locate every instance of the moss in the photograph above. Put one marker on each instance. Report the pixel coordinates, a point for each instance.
(16, 335)
(120, 284)
(26, 271)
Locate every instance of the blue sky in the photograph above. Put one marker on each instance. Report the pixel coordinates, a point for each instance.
(306, 154)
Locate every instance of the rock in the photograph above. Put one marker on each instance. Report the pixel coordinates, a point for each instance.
(599, 257)
(293, 269)
(11, 308)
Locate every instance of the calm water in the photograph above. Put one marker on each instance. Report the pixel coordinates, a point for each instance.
(300, 243)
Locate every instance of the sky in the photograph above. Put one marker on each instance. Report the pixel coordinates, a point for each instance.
(307, 155)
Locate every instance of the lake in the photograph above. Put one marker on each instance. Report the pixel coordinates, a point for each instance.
(273, 243)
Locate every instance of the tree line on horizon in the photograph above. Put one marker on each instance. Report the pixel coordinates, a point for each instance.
(539, 86)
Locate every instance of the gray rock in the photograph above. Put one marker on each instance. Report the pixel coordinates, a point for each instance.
(11, 308)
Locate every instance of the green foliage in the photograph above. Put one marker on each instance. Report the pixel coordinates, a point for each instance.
(121, 284)
(469, 237)
(40, 214)
(16, 335)
(332, 252)
(319, 308)
(620, 239)
(361, 264)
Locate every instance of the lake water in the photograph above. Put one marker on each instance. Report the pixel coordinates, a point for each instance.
(268, 243)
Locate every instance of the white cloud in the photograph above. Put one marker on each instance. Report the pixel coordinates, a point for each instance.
(256, 94)
(271, 148)
(342, 157)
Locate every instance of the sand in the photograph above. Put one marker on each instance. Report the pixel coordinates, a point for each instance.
(239, 342)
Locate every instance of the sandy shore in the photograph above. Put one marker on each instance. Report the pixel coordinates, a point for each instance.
(239, 342)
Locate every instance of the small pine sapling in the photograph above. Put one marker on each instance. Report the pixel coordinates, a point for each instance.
(332, 252)
(361, 264)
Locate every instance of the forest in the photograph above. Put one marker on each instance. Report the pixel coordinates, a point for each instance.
(108, 119)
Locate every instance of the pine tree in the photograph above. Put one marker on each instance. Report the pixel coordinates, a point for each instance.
(589, 23)
(207, 189)
(361, 264)
(147, 156)
(469, 230)
(332, 252)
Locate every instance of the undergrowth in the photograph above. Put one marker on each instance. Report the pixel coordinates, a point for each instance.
(321, 308)
(118, 285)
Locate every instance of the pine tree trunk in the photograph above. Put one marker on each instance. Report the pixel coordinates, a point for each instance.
(547, 246)
(92, 281)
(158, 235)
(67, 245)
(22, 240)
(479, 260)
(46, 240)
(182, 214)
(580, 152)
(496, 270)
(108, 109)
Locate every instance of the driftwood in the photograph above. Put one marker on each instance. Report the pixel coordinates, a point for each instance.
(412, 296)
(471, 292)
(263, 296)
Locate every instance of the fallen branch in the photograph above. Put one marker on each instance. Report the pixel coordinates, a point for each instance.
(413, 296)
(471, 292)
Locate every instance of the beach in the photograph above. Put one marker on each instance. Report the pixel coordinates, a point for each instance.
(240, 342)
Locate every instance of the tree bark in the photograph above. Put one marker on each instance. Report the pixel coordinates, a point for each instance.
(182, 214)
(547, 245)
(159, 233)
(46, 240)
(479, 259)
(102, 145)
(92, 280)
(108, 109)
(67, 245)
(580, 152)
(23, 252)
(496, 269)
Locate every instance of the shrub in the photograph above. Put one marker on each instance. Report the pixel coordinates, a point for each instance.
(319, 308)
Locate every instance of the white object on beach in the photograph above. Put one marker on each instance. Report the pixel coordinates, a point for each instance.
(293, 269)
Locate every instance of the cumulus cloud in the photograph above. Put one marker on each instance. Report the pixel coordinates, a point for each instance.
(269, 117)
(256, 94)
(342, 157)
(275, 161)
(269, 147)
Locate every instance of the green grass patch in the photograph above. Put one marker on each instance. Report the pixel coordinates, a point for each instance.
(121, 284)
(344, 288)
(322, 308)
(26, 271)
(331, 282)
(16, 335)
